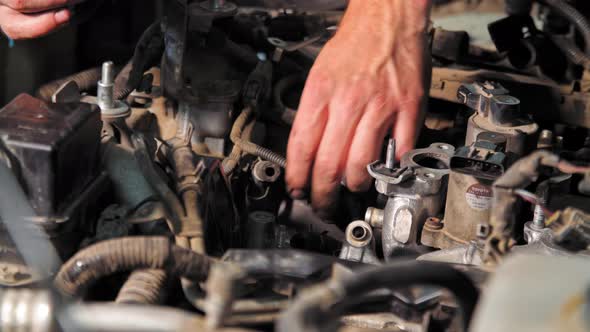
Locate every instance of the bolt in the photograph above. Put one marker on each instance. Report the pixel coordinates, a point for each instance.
(108, 73)
(539, 215)
(545, 140)
(390, 158)
(106, 86)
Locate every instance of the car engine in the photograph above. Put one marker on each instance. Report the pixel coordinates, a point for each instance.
(150, 195)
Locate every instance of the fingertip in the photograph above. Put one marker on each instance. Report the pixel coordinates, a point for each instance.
(17, 25)
(303, 144)
(297, 194)
(324, 204)
(62, 16)
(360, 186)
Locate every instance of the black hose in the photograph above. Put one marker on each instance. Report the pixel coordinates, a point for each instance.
(86, 80)
(129, 254)
(572, 51)
(576, 18)
(147, 53)
(287, 115)
(317, 305)
(143, 287)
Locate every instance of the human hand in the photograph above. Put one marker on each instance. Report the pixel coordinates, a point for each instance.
(368, 79)
(25, 19)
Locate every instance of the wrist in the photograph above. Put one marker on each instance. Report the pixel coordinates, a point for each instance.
(385, 17)
(384, 21)
(388, 7)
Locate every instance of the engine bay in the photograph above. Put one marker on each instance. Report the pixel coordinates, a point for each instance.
(150, 195)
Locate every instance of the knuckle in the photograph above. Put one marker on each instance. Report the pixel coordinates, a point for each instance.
(419, 92)
(384, 102)
(349, 102)
(381, 99)
(319, 79)
(414, 95)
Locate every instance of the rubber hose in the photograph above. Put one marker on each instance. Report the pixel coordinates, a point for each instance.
(249, 147)
(143, 287)
(86, 80)
(129, 254)
(230, 163)
(576, 18)
(121, 89)
(310, 309)
(572, 52)
(287, 114)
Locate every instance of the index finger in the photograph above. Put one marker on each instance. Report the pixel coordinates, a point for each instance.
(35, 6)
(306, 134)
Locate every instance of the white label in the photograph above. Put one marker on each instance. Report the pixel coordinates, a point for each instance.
(479, 197)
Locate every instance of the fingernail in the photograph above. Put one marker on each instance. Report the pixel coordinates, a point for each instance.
(62, 16)
(297, 194)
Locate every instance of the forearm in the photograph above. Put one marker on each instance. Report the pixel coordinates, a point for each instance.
(380, 15)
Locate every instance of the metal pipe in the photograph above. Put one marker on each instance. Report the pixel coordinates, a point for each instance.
(108, 317)
(312, 310)
(29, 238)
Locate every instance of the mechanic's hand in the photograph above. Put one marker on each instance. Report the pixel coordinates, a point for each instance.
(24, 19)
(367, 80)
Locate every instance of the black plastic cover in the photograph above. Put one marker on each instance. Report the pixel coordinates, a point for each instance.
(55, 148)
